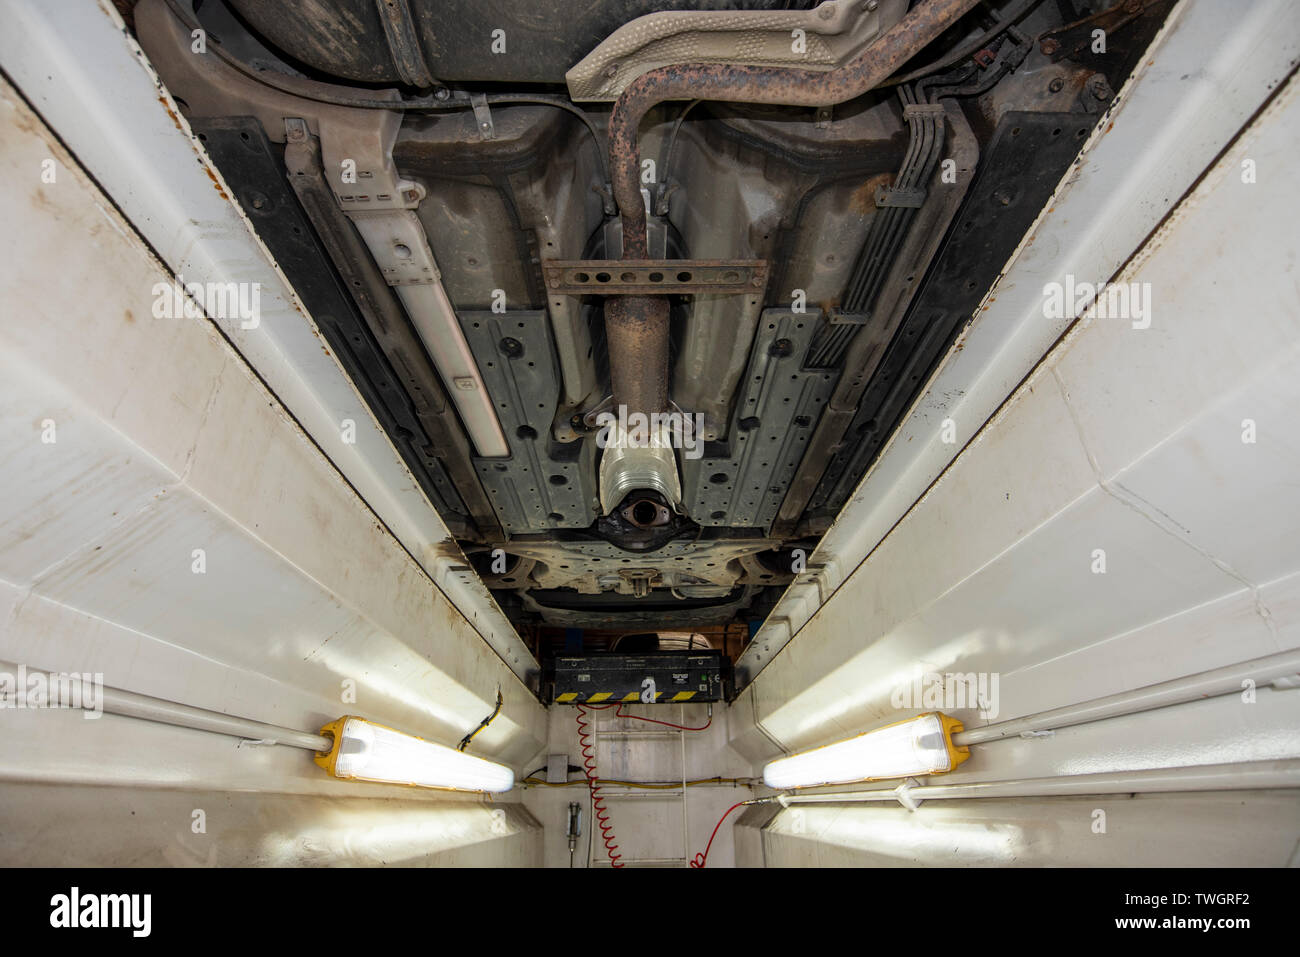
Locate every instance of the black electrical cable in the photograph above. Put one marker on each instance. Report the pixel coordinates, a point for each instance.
(559, 103)
(570, 769)
(1017, 12)
(666, 163)
(464, 742)
(1007, 60)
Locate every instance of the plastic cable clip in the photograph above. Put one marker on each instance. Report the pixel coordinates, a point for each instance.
(904, 794)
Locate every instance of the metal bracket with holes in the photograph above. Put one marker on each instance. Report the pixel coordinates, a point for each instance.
(656, 277)
(742, 481)
(381, 205)
(357, 160)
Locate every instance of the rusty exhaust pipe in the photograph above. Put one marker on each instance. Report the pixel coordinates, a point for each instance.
(636, 331)
(637, 326)
(776, 86)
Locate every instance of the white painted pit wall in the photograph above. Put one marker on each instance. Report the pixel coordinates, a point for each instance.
(87, 77)
(165, 441)
(1128, 440)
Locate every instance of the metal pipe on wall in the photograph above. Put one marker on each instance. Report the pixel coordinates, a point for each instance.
(1204, 684)
(1229, 679)
(1243, 776)
(132, 705)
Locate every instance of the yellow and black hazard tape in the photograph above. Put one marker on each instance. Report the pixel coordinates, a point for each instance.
(632, 697)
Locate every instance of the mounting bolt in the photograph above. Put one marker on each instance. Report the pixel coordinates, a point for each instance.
(611, 71)
(1098, 87)
(1056, 85)
(442, 93)
(1049, 46)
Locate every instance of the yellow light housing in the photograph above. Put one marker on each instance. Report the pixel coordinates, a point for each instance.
(366, 751)
(920, 745)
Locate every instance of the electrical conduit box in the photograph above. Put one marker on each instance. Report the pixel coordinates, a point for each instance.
(665, 677)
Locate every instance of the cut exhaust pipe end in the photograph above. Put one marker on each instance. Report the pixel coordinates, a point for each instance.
(648, 512)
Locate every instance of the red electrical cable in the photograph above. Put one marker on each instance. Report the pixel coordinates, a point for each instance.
(701, 859)
(597, 803)
(667, 724)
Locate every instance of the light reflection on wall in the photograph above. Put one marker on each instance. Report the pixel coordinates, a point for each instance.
(900, 836)
(386, 833)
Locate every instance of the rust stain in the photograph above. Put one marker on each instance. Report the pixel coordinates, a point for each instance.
(216, 184)
(129, 316)
(172, 113)
(863, 199)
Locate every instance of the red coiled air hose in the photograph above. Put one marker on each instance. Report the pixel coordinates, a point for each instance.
(597, 803)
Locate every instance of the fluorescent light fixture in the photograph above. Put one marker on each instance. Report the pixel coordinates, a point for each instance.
(920, 745)
(365, 751)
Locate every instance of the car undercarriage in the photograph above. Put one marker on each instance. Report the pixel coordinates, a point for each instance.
(641, 292)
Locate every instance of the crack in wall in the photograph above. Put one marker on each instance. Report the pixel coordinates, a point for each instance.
(1158, 517)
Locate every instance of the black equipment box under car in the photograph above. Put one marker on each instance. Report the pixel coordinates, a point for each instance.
(657, 677)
